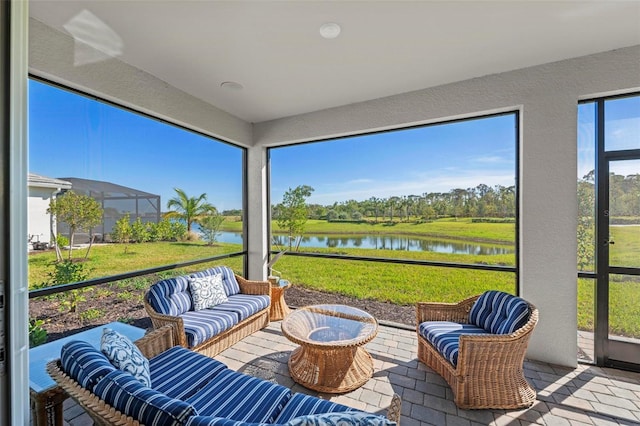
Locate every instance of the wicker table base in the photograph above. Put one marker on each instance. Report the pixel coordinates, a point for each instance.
(331, 357)
(334, 370)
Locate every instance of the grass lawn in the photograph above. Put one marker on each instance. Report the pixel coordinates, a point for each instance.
(401, 284)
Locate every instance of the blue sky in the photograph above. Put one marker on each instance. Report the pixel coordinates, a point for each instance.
(622, 131)
(434, 158)
(75, 136)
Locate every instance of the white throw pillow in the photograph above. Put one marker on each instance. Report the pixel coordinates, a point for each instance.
(207, 291)
(125, 355)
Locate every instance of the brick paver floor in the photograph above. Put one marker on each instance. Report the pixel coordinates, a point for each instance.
(586, 395)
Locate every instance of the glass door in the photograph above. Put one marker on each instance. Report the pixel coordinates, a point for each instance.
(622, 275)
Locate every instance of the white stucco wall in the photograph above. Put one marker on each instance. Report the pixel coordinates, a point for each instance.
(547, 97)
(39, 222)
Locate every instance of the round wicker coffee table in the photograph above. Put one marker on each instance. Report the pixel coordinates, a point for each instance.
(331, 357)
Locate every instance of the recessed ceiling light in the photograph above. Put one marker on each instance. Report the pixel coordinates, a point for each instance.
(231, 85)
(330, 30)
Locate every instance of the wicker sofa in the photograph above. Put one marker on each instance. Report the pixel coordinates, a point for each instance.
(209, 331)
(478, 346)
(188, 389)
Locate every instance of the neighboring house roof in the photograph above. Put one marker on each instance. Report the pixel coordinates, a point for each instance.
(38, 181)
(101, 189)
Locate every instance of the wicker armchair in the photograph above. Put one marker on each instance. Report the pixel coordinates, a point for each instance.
(489, 371)
(219, 342)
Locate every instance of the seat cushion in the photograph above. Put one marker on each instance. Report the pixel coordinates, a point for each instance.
(229, 281)
(499, 312)
(179, 373)
(240, 397)
(125, 393)
(200, 326)
(445, 336)
(84, 363)
(171, 296)
(244, 305)
(301, 405)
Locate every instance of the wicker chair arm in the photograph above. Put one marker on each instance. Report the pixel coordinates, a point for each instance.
(156, 342)
(99, 411)
(495, 350)
(253, 287)
(160, 320)
(454, 312)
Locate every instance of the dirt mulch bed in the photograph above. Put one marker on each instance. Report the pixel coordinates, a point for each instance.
(105, 304)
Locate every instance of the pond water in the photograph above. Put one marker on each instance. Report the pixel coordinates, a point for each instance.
(385, 242)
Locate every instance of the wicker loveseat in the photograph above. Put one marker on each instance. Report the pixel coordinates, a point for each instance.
(187, 388)
(209, 331)
(478, 346)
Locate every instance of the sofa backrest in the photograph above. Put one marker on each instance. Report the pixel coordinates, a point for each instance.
(171, 296)
(229, 281)
(499, 312)
(84, 363)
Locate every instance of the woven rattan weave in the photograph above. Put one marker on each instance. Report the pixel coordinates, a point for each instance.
(489, 372)
(331, 357)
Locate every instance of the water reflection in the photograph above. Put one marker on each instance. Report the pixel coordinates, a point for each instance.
(385, 242)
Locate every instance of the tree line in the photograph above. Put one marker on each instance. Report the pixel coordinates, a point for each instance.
(482, 201)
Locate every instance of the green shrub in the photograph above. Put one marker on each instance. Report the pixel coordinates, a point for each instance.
(37, 333)
(139, 233)
(62, 241)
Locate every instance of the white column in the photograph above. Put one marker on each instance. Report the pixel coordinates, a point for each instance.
(257, 213)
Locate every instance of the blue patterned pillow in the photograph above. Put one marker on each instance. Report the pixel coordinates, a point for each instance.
(125, 355)
(348, 418)
(207, 291)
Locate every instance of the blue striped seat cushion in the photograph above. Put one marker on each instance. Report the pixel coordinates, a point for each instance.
(243, 305)
(240, 397)
(171, 296)
(499, 312)
(220, 421)
(179, 372)
(445, 336)
(229, 281)
(84, 363)
(150, 407)
(301, 405)
(200, 326)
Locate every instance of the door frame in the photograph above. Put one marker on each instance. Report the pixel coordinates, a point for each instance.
(604, 348)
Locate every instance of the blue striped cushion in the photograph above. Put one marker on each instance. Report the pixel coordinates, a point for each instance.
(220, 421)
(179, 372)
(244, 305)
(171, 296)
(445, 336)
(302, 405)
(84, 363)
(125, 393)
(240, 397)
(199, 326)
(499, 312)
(229, 281)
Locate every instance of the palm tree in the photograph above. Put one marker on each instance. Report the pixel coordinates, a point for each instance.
(189, 209)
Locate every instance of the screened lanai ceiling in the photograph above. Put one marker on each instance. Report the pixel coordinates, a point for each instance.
(263, 60)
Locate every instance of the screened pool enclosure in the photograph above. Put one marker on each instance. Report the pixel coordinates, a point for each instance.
(117, 201)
